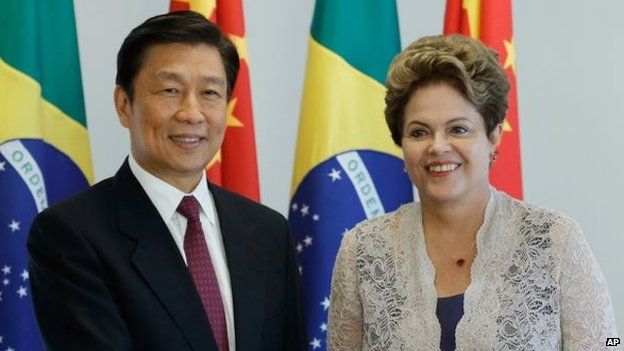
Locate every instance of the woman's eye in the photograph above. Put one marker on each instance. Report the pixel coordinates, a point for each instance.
(459, 130)
(417, 133)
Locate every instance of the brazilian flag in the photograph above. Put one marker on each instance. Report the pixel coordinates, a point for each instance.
(347, 168)
(44, 144)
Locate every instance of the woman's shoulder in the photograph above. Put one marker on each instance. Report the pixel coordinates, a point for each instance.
(387, 224)
(532, 217)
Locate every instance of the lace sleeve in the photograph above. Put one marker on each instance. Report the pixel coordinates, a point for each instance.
(587, 317)
(345, 312)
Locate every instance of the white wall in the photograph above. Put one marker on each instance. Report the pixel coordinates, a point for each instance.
(569, 74)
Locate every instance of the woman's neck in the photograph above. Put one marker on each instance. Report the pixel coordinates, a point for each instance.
(456, 221)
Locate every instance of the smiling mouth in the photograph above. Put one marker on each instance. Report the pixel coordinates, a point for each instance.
(187, 142)
(443, 168)
(186, 139)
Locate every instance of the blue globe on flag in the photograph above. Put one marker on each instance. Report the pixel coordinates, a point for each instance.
(330, 200)
(33, 175)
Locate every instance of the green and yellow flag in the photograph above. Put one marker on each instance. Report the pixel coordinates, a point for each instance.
(346, 169)
(44, 144)
(350, 49)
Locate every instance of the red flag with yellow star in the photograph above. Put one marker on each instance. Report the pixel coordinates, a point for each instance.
(491, 22)
(235, 166)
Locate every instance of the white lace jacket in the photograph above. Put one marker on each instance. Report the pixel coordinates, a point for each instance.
(535, 285)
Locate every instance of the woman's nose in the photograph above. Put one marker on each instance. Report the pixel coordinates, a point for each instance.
(439, 144)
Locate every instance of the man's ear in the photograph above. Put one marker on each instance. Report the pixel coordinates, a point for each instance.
(123, 106)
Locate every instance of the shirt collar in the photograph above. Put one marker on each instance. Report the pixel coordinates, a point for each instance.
(166, 197)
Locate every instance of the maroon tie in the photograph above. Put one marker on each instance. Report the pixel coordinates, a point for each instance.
(200, 266)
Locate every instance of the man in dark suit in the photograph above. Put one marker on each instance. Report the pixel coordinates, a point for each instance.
(156, 258)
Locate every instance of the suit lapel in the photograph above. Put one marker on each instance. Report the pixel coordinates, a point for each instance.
(158, 260)
(246, 267)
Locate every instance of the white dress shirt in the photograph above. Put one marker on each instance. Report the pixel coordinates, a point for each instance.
(166, 199)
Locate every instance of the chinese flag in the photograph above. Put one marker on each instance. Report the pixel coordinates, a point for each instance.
(490, 21)
(235, 166)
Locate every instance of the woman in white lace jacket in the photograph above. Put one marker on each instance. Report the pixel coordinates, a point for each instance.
(468, 267)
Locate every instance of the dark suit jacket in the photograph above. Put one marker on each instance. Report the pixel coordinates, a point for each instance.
(106, 275)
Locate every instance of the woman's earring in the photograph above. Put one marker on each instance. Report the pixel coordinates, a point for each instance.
(493, 157)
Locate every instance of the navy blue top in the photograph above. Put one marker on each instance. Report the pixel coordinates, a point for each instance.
(449, 311)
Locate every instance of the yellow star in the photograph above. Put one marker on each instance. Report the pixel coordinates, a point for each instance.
(215, 159)
(473, 10)
(241, 46)
(231, 120)
(510, 61)
(205, 7)
(506, 126)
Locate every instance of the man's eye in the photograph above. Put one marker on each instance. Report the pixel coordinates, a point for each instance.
(212, 93)
(171, 90)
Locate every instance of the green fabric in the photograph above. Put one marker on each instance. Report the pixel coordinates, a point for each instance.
(38, 38)
(350, 29)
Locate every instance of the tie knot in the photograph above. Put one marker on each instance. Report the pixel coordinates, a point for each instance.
(189, 208)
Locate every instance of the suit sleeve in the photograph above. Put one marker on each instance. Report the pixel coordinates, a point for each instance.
(587, 318)
(74, 306)
(295, 320)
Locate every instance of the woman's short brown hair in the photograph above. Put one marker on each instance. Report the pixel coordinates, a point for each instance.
(464, 63)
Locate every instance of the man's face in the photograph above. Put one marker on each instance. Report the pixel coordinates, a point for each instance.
(177, 113)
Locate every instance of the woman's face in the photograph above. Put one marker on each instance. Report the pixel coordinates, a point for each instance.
(445, 145)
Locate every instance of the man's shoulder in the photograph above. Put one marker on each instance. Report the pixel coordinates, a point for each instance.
(96, 198)
(243, 207)
(89, 213)
(252, 223)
